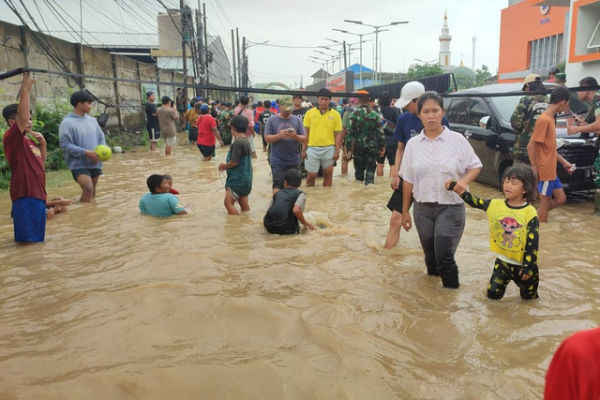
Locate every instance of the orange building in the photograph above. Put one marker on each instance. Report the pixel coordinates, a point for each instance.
(532, 39)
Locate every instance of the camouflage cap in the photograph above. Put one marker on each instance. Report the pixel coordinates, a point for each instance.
(285, 101)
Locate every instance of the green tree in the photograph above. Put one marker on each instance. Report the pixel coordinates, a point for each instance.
(482, 75)
(417, 71)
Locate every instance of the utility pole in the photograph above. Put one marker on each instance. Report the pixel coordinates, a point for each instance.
(237, 36)
(233, 59)
(345, 62)
(207, 69)
(244, 63)
(200, 44)
(183, 48)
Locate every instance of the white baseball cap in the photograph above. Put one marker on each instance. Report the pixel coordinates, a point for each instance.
(411, 90)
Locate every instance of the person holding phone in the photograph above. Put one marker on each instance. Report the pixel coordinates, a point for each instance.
(284, 131)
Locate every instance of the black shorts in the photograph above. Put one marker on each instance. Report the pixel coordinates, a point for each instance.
(278, 174)
(390, 151)
(395, 203)
(289, 229)
(91, 172)
(153, 133)
(207, 151)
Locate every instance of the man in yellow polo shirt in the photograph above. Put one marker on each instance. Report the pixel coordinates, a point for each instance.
(323, 126)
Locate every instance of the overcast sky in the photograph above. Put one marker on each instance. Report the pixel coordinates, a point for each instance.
(295, 23)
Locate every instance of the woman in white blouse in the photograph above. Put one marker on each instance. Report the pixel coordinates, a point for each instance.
(434, 156)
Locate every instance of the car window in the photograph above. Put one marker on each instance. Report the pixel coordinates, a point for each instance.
(457, 111)
(506, 105)
(477, 110)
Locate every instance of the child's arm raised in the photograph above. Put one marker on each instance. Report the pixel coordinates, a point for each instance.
(531, 249)
(297, 210)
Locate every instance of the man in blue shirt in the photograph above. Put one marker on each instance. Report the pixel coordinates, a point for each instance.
(159, 202)
(79, 134)
(284, 131)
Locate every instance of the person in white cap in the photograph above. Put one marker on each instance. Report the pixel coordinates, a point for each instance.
(408, 126)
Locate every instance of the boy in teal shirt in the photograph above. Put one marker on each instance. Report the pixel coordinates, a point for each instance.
(159, 202)
(239, 167)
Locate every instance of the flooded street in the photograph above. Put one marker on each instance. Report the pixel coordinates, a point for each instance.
(115, 305)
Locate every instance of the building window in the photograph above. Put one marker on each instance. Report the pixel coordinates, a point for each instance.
(545, 53)
(594, 42)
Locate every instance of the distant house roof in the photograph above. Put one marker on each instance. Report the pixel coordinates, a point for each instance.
(321, 73)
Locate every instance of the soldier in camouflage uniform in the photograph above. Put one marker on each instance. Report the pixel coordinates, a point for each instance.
(365, 139)
(224, 120)
(590, 125)
(527, 112)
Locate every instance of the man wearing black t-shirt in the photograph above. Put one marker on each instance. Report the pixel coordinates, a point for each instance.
(152, 120)
(262, 120)
(297, 109)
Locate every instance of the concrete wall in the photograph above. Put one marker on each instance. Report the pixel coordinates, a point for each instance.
(19, 48)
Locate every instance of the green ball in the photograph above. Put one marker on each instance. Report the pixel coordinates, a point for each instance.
(103, 151)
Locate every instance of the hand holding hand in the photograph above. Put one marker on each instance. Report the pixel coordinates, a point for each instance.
(222, 167)
(395, 184)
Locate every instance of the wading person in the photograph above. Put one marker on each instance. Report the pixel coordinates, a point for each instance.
(514, 232)
(439, 214)
(79, 134)
(543, 155)
(526, 113)
(390, 116)
(346, 156)
(287, 206)
(152, 120)
(244, 109)
(190, 118)
(26, 157)
(283, 131)
(323, 126)
(239, 168)
(207, 132)
(167, 115)
(408, 125)
(224, 122)
(263, 117)
(365, 140)
(590, 125)
(159, 202)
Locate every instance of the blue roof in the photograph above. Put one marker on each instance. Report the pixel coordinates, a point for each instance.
(356, 68)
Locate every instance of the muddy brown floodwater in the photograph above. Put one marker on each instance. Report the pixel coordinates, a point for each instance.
(115, 305)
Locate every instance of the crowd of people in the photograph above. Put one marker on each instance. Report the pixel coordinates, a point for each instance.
(431, 166)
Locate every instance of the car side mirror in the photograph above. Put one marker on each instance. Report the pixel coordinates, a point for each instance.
(484, 122)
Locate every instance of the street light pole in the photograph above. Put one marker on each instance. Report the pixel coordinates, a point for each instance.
(376, 31)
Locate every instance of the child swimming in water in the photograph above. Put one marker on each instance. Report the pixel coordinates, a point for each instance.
(513, 232)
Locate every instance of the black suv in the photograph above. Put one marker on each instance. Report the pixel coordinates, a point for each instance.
(485, 122)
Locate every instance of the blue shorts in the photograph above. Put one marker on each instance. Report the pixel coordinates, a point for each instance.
(545, 188)
(91, 172)
(29, 219)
